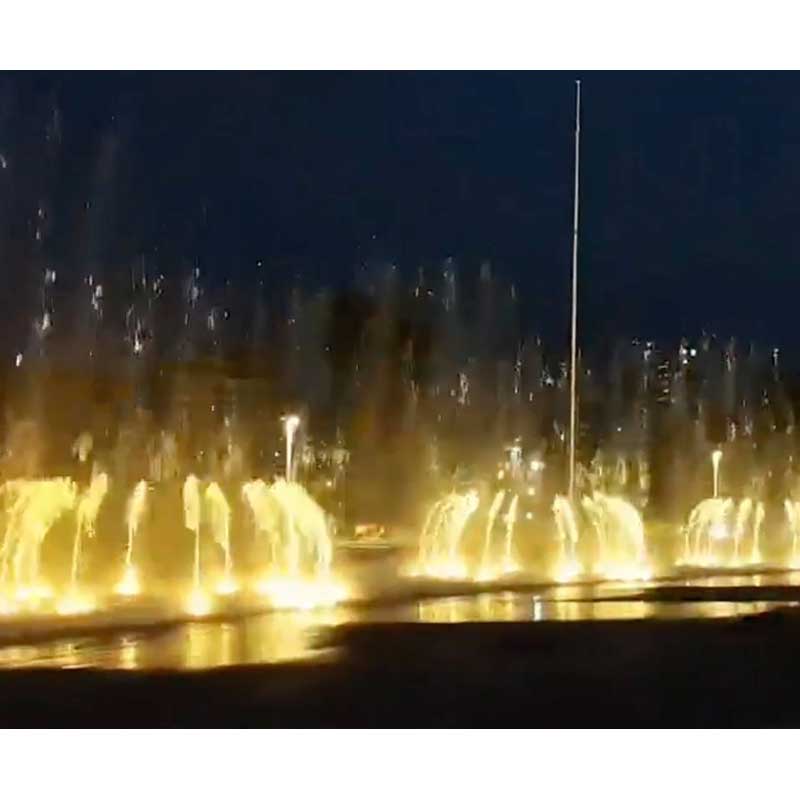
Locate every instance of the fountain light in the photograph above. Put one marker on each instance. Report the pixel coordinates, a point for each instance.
(719, 532)
(497, 502)
(33, 594)
(35, 506)
(629, 573)
(716, 457)
(439, 553)
(7, 606)
(134, 511)
(793, 514)
(198, 604)
(290, 425)
(567, 572)
(86, 517)
(128, 585)
(75, 603)
(301, 593)
(227, 586)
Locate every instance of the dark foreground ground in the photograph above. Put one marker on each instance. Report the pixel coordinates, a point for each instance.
(739, 672)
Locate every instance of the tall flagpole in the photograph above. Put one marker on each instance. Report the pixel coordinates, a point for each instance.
(573, 366)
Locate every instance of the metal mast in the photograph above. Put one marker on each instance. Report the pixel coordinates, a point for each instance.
(573, 367)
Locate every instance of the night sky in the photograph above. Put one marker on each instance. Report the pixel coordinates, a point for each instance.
(690, 184)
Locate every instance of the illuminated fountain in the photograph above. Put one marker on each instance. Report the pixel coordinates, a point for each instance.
(792, 508)
(486, 570)
(299, 543)
(266, 515)
(290, 426)
(86, 518)
(198, 602)
(509, 563)
(708, 523)
(758, 523)
(568, 566)
(86, 513)
(714, 535)
(716, 458)
(129, 585)
(213, 507)
(743, 514)
(621, 549)
(82, 446)
(439, 555)
(32, 508)
(490, 398)
(219, 517)
(494, 564)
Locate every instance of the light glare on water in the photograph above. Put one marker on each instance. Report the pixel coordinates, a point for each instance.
(293, 635)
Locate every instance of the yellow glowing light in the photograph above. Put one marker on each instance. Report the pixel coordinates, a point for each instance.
(510, 566)
(129, 586)
(7, 606)
(567, 572)
(75, 603)
(227, 586)
(198, 603)
(449, 570)
(625, 572)
(492, 573)
(302, 593)
(719, 531)
(127, 654)
(487, 574)
(33, 594)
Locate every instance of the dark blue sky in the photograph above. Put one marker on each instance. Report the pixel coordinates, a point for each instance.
(690, 183)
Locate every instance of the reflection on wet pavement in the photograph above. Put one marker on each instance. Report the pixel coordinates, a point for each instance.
(288, 636)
